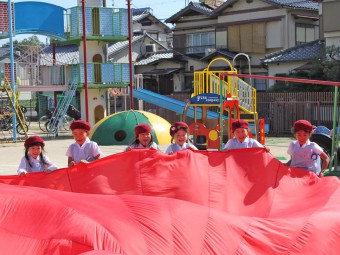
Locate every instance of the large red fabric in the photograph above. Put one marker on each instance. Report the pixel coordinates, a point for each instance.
(192, 202)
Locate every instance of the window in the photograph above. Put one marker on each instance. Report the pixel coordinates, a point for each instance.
(304, 33)
(197, 43)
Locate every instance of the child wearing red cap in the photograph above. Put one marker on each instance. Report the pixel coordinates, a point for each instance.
(179, 133)
(83, 150)
(34, 160)
(241, 140)
(304, 153)
(143, 134)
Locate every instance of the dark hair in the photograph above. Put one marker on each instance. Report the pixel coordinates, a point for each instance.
(41, 154)
(136, 141)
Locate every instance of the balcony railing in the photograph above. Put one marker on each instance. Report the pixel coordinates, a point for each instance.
(115, 74)
(100, 21)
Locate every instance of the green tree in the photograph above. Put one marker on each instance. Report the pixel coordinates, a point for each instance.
(25, 44)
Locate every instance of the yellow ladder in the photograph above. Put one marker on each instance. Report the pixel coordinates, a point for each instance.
(15, 104)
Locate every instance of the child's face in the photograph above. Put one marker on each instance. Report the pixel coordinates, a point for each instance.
(80, 135)
(144, 138)
(180, 137)
(241, 134)
(34, 151)
(302, 136)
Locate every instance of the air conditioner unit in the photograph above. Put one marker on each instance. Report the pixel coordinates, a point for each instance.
(149, 48)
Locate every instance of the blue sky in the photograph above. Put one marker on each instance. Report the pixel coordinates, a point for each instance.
(162, 9)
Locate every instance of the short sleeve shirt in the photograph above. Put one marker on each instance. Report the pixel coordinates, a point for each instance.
(247, 143)
(153, 145)
(306, 156)
(88, 151)
(175, 147)
(36, 165)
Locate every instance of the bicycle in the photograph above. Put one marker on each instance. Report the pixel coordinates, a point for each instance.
(45, 120)
(6, 124)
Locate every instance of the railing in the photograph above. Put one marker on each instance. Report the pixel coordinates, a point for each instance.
(100, 21)
(30, 74)
(209, 82)
(101, 73)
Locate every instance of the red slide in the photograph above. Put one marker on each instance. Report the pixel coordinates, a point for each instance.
(192, 202)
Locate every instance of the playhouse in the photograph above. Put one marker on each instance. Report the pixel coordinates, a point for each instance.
(88, 27)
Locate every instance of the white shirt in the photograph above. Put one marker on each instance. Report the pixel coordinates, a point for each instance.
(88, 151)
(305, 156)
(247, 143)
(135, 145)
(175, 147)
(37, 165)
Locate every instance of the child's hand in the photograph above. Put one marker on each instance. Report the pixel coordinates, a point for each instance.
(84, 161)
(321, 174)
(72, 163)
(23, 172)
(171, 152)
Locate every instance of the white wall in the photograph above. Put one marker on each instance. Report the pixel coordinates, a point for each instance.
(92, 48)
(95, 97)
(274, 69)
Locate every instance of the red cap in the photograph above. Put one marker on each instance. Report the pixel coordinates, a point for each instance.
(177, 126)
(304, 125)
(142, 128)
(239, 124)
(33, 140)
(80, 124)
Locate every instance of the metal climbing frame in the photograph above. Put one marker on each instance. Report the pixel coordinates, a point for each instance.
(20, 115)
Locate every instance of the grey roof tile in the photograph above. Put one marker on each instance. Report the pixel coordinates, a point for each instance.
(65, 54)
(290, 4)
(192, 6)
(118, 46)
(155, 57)
(115, 47)
(304, 52)
(300, 4)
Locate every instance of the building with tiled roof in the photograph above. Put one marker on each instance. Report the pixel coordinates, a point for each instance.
(288, 60)
(142, 45)
(65, 54)
(302, 52)
(253, 27)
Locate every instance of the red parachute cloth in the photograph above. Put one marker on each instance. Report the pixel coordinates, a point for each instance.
(240, 202)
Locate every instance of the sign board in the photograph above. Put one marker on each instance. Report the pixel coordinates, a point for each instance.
(206, 98)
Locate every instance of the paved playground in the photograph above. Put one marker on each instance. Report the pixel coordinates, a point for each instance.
(55, 149)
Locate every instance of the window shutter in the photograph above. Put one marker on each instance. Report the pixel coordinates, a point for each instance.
(234, 38)
(246, 37)
(259, 38)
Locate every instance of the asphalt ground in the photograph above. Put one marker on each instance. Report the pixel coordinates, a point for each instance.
(12, 152)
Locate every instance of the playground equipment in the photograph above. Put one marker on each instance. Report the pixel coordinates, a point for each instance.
(118, 128)
(90, 28)
(329, 142)
(234, 99)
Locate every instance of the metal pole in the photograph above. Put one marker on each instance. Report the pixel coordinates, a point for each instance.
(130, 54)
(13, 85)
(335, 114)
(54, 63)
(221, 113)
(85, 62)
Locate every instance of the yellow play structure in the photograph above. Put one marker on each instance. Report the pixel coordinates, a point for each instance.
(228, 98)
